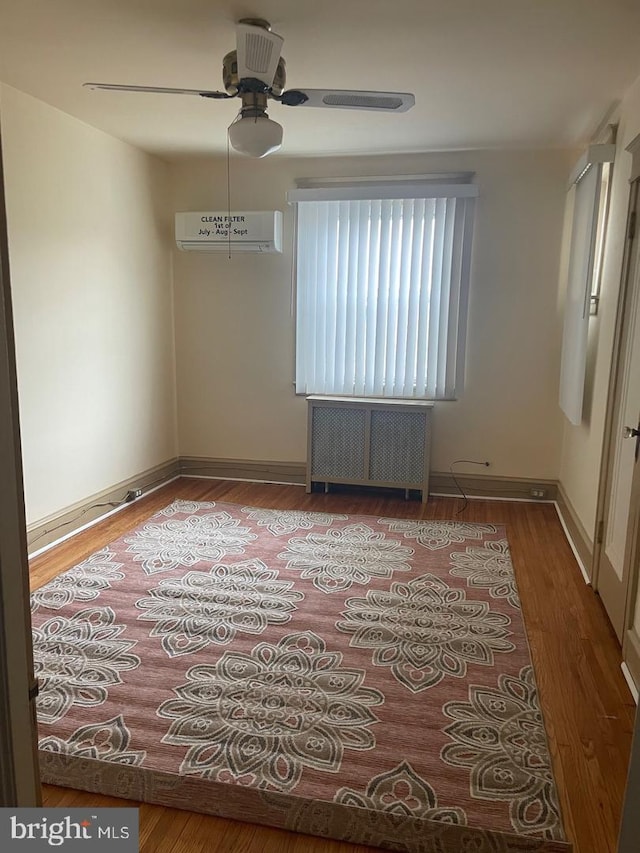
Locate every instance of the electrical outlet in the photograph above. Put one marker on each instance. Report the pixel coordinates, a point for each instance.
(537, 493)
(132, 494)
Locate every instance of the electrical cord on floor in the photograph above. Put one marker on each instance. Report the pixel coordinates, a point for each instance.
(455, 479)
(76, 517)
(112, 504)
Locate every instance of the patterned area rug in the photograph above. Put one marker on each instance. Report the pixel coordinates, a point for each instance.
(365, 679)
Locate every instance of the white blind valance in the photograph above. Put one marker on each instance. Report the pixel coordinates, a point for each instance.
(382, 286)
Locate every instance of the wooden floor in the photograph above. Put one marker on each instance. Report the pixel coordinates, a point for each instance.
(588, 708)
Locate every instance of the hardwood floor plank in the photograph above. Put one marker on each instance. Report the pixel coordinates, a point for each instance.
(167, 830)
(587, 705)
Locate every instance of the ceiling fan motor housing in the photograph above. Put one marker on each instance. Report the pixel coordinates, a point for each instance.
(232, 83)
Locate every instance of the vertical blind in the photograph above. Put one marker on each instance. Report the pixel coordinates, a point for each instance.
(381, 299)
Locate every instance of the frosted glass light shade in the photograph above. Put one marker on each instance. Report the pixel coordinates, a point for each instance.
(255, 136)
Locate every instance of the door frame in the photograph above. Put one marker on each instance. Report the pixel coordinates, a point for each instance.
(630, 263)
(630, 642)
(630, 821)
(19, 773)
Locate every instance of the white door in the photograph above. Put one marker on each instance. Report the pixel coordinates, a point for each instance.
(631, 628)
(611, 580)
(630, 824)
(19, 780)
(630, 438)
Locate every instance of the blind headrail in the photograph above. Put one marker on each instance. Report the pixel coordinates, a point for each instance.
(382, 191)
(377, 180)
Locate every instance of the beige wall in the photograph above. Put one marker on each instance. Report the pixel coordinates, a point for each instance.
(89, 237)
(90, 230)
(582, 445)
(235, 332)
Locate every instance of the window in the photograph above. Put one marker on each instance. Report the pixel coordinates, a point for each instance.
(588, 192)
(382, 276)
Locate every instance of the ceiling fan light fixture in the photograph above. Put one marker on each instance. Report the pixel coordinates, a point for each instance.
(255, 136)
(256, 72)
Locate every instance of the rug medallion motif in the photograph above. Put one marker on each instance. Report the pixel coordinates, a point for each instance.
(284, 522)
(77, 659)
(487, 567)
(401, 791)
(425, 631)
(82, 583)
(337, 559)
(201, 608)
(166, 545)
(107, 741)
(271, 713)
(437, 534)
(499, 735)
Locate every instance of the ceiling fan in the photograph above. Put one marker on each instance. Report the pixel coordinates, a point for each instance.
(255, 72)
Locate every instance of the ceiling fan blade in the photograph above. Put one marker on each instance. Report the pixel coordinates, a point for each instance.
(258, 52)
(349, 99)
(117, 87)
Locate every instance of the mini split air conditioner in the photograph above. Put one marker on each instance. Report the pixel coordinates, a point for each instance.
(251, 231)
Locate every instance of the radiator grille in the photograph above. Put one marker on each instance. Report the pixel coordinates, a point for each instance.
(337, 441)
(397, 446)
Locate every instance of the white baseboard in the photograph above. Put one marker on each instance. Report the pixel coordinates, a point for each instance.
(489, 498)
(45, 531)
(240, 480)
(630, 681)
(572, 545)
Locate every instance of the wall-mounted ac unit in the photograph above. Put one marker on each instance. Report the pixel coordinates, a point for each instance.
(251, 231)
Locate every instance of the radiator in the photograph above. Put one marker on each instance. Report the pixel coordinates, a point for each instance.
(369, 442)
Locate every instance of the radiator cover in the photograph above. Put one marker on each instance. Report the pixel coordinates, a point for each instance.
(370, 442)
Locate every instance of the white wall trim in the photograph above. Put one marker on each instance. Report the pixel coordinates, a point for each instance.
(240, 480)
(581, 565)
(489, 498)
(630, 682)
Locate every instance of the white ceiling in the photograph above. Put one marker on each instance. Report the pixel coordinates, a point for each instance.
(486, 73)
